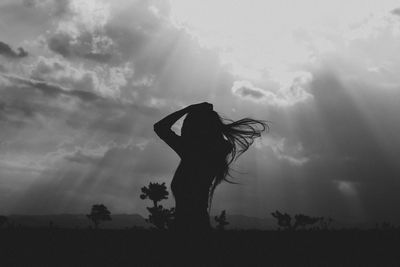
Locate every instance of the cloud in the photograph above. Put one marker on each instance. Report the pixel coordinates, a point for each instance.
(60, 44)
(79, 35)
(285, 96)
(8, 52)
(83, 157)
(124, 48)
(291, 153)
(104, 81)
(247, 89)
(3, 69)
(57, 8)
(51, 90)
(80, 109)
(396, 11)
(96, 48)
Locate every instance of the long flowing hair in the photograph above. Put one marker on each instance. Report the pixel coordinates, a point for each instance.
(240, 135)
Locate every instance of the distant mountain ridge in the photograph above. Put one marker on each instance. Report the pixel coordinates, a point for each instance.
(119, 221)
(123, 221)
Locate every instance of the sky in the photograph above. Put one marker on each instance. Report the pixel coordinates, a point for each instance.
(83, 81)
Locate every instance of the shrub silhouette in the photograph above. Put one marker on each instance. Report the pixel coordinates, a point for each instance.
(159, 216)
(301, 220)
(221, 221)
(3, 220)
(325, 223)
(284, 220)
(98, 214)
(385, 226)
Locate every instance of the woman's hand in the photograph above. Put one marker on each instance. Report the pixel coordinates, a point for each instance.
(201, 107)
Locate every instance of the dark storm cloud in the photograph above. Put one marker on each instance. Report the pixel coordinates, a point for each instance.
(23, 25)
(396, 11)
(29, 3)
(60, 44)
(22, 99)
(25, 98)
(53, 90)
(57, 8)
(82, 47)
(87, 41)
(64, 74)
(127, 35)
(134, 34)
(99, 57)
(8, 52)
(60, 7)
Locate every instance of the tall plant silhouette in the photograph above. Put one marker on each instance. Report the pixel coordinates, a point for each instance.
(155, 192)
(99, 213)
(221, 221)
(159, 216)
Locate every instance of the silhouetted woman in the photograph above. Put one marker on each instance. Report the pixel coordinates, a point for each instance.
(206, 146)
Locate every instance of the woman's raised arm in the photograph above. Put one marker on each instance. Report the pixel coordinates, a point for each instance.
(165, 124)
(164, 131)
(163, 127)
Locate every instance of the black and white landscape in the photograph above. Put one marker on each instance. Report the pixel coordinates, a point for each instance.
(82, 83)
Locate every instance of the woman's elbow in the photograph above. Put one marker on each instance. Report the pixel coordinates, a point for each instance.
(158, 128)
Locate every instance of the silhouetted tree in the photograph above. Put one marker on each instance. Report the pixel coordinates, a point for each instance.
(3, 220)
(221, 221)
(98, 214)
(159, 216)
(301, 220)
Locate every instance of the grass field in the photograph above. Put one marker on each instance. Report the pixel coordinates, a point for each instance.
(138, 247)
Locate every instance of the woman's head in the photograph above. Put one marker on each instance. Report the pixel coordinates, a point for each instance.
(202, 124)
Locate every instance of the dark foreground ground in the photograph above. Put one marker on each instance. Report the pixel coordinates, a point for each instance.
(61, 247)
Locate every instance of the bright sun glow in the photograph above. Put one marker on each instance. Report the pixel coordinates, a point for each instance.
(274, 38)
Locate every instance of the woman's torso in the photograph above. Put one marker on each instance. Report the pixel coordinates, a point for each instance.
(198, 167)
